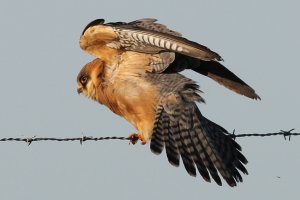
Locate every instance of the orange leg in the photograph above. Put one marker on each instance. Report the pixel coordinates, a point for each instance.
(134, 137)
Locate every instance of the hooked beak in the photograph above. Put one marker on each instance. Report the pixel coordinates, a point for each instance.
(79, 90)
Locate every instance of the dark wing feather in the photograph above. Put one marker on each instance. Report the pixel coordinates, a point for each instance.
(223, 76)
(202, 143)
(159, 133)
(200, 160)
(213, 70)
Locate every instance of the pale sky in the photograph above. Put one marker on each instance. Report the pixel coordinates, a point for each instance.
(40, 59)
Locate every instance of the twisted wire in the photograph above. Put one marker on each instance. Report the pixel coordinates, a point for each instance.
(82, 139)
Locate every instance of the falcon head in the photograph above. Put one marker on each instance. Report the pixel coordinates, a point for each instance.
(88, 79)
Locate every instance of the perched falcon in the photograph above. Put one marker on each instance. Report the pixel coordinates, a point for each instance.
(136, 75)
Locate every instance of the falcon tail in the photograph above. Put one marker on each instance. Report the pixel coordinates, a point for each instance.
(200, 143)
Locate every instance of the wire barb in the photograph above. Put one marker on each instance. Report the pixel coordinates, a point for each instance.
(29, 140)
(84, 138)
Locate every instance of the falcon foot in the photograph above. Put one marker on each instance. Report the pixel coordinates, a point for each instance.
(134, 137)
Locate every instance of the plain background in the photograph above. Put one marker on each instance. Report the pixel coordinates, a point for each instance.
(39, 62)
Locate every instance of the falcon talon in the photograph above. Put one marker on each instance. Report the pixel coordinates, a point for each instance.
(133, 139)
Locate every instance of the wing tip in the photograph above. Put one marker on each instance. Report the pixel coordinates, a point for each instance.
(252, 95)
(218, 57)
(93, 23)
(257, 97)
(156, 148)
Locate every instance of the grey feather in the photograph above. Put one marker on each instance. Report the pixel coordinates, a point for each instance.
(150, 24)
(160, 62)
(201, 143)
(158, 136)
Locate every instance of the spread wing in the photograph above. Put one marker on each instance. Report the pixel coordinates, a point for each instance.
(166, 49)
(204, 145)
(145, 36)
(184, 132)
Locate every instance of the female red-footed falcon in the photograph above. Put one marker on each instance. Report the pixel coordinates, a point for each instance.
(136, 75)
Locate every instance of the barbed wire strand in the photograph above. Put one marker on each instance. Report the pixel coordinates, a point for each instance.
(285, 134)
(133, 140)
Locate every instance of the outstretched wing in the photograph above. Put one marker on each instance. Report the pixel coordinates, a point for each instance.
(145, 36)
(167, 50)
(202, 144)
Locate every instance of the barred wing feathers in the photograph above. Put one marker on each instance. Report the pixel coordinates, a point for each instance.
(203, 145)
(200, 143)
(147, 36)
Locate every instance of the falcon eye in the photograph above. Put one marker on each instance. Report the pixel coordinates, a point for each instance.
(83, 79)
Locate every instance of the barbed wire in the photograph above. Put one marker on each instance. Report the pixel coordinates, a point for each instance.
(285, 134)
(80, 139)
(133, 140)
